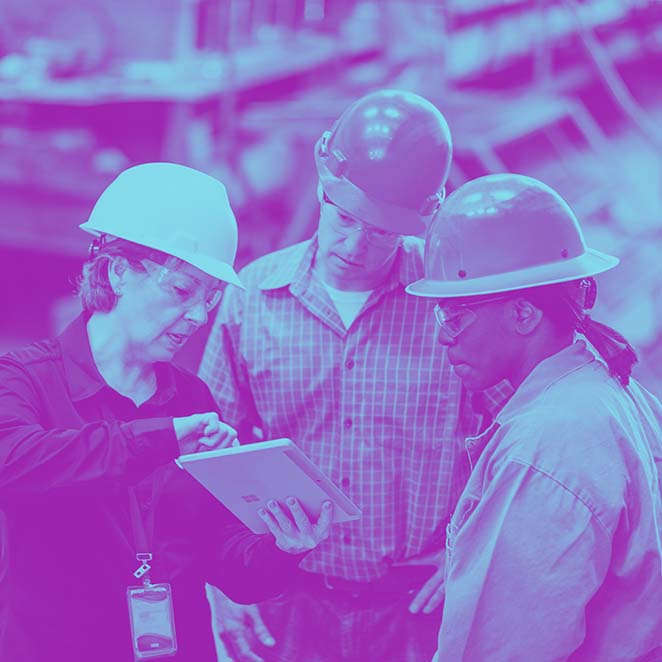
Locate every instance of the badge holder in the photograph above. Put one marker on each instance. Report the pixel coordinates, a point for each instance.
(152, 621)
(151, 614)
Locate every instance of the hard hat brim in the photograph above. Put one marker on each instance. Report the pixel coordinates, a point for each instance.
(389, 217)
(215, 268)
(591, 263)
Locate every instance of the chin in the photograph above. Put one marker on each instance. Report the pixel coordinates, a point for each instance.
(162, 355)
(482, 384)
(473, 380)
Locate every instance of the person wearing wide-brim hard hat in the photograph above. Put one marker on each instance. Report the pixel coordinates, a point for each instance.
(325, 347)
(554, 548)
(90, 423)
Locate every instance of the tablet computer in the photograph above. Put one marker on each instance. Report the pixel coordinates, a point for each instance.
(244, 478)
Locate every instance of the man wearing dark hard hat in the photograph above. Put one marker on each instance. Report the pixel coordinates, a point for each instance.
(554, 551)
(326, 348)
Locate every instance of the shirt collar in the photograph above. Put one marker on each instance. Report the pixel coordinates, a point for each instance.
(493, 399)
(82, 375)
(546, 373)
(407, 268)
(293, 270)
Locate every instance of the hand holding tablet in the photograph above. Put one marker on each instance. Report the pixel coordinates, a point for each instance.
(295, 533)
(246, 478)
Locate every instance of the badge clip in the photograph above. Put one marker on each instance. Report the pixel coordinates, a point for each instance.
(145, 567)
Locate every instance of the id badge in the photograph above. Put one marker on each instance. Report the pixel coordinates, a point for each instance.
(152, 621)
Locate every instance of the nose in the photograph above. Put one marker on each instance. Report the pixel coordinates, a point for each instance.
(444, 339)
(197, 314)
(355, 242)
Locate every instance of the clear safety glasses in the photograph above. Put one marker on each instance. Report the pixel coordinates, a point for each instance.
(453, 318)
(181, 288)
(344, 224)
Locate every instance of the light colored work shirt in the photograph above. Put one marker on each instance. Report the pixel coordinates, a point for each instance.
(554, 551)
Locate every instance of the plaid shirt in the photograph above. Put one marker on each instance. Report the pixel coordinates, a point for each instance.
(375, 406)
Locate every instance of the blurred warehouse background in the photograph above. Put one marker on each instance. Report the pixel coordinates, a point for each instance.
(568, 91)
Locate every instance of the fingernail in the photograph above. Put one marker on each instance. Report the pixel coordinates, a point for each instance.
(327, 504)
(269, 641)
(262, 512)
(271, 504)
(292, 501)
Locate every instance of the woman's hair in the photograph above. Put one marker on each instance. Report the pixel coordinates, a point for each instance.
(93, 285)
(565, 305)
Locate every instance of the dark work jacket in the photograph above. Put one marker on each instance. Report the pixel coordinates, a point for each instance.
(71, 449)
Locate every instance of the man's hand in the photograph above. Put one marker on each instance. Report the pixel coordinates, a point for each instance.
(240, 628)
(202, 432)
(431, 594)
(294, 532)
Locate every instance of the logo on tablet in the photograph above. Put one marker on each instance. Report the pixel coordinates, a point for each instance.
(250, 498)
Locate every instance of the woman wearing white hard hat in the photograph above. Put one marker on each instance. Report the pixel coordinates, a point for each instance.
(90, 422)
(554, 550)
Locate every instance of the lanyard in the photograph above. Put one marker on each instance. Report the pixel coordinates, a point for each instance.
(142, 536)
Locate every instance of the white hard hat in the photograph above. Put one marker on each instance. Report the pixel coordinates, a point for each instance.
(504, 232)
(173, 209)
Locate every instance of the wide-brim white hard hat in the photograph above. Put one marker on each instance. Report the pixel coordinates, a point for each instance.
(501, 233)
(174, 209)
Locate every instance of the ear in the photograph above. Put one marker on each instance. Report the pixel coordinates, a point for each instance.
(526, 316)
(117, 271)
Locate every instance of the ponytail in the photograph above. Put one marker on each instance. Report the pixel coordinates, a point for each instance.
(564, 305)
(615, 350)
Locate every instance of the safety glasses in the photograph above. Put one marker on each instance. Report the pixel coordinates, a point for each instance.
(454, 318)
(181, 288)
(345, 225)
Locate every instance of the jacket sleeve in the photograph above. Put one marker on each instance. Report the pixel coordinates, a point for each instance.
(224, 370)
(525, 562)
(36, 458)
(247, 567)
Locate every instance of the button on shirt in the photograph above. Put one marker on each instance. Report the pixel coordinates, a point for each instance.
(375, 405)
(70, 449)
(554, 551)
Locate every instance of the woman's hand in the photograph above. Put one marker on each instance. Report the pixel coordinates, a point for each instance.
(202, 432)
(294, 532)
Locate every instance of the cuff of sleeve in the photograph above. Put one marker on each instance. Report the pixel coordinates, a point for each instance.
(283, 561)
(153, 439)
